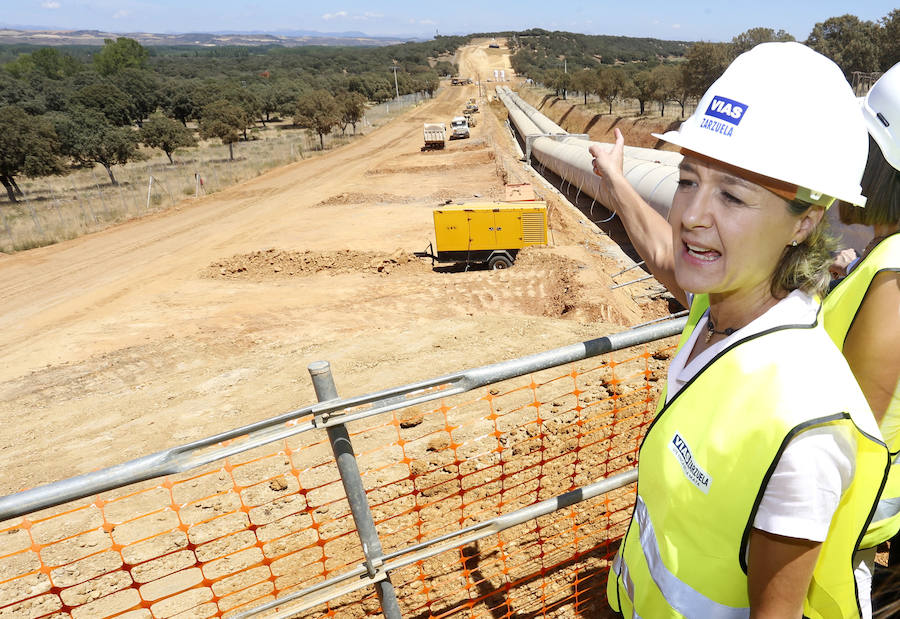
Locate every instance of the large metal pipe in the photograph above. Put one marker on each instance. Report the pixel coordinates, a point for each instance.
(523, 124)
(653, 173)
(655, 182)
(545, 124)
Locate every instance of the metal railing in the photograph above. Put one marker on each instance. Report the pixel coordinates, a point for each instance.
(227, 539)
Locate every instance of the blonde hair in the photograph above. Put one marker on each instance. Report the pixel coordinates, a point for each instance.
(805, 266)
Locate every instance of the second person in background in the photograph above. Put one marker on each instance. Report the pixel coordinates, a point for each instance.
(862, 313)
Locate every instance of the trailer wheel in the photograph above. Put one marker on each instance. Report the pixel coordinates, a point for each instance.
(499, 262)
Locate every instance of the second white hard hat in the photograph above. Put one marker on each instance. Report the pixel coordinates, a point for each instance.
(786, 112)
(881, 110)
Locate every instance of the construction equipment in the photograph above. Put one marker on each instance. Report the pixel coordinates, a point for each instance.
(459, 128)
(435, 135)
(489, 233)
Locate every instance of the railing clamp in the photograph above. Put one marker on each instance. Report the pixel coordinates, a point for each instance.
(373, 564)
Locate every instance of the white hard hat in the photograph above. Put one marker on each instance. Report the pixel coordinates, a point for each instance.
(881, 109)
(786, 112)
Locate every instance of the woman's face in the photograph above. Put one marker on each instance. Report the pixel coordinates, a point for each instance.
(728, 233)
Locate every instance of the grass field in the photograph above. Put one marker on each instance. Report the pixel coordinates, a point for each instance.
(57, 208)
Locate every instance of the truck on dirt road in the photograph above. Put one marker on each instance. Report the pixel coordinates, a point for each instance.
(459, 127)
(490, 233)
(435, 135)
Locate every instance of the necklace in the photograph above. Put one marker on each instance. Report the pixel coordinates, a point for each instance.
(711, 329)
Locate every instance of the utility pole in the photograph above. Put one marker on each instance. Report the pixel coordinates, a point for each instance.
(396, 89)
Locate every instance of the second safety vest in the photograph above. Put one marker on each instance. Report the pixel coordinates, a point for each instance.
(839, 310)
(704, 466)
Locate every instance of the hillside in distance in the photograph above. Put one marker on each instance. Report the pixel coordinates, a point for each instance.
(202, 39)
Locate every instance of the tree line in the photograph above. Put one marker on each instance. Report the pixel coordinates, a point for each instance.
(67, 107)
(677, 75)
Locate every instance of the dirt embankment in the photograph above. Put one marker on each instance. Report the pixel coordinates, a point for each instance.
(576, 118)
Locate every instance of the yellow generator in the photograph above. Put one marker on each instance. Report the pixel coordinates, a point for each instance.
(489, 233)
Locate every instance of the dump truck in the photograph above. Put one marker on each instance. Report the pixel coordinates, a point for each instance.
(435, 135)
(459, 128)
(490, 233)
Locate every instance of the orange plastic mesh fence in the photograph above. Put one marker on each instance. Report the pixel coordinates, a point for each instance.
(257, 526)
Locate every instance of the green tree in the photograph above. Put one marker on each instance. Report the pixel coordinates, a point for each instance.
(47, 62)
(666, 80)
(266, 95)
(177, 99)
(14, 91)
(249, 104)
(28, 146)
(106, 99)
(890, 40)
(560, 81)
(166, 134)
(849, 41)
(223, 120)
(120, 54)
(239, 96)
(319, 111)
(88, 137)
(353, 107)
(141, 89)
(430, 83)
(586, 82)
(612, 83)
(643, 88)
(749, 39)
(705, 63)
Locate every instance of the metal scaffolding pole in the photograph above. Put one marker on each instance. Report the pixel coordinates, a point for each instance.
(323, 383)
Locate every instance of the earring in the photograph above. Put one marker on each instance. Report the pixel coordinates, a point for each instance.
(793, 243)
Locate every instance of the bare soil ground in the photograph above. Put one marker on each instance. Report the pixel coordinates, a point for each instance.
(203, 318)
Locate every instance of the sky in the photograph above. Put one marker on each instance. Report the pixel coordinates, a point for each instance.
(685, 20)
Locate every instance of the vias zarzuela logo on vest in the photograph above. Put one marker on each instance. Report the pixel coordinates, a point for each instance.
(692, 471)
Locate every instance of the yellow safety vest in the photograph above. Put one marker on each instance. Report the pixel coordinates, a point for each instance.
(705, 463)
(839, 310)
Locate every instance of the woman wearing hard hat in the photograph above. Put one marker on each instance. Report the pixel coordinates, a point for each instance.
(763, 465)
(862, 313)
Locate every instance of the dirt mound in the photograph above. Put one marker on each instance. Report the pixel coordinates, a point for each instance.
(362, 198)
(471, 145)
(278, 264)
(566, 293)
(473, 159)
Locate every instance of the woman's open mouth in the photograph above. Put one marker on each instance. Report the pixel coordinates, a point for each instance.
(701, 253)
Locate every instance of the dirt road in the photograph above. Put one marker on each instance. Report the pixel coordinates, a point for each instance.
(204, 318)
